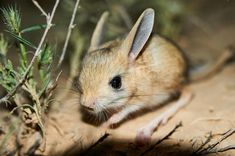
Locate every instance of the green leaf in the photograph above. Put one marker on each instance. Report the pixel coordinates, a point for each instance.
(33, 28)
(3, 45)
(8, 76)
(22, 40)
(46, 57)
(45, 60)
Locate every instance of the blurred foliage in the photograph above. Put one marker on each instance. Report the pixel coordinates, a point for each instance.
(169, 14)
(123, 13)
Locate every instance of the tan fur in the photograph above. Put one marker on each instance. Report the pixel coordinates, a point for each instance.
(158, 71)
(150, 68)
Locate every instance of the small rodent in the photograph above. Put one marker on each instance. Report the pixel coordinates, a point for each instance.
(141, 71)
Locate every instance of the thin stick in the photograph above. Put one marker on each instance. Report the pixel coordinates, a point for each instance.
(227, 148)
(212, 148)
(216, 150)
(40, 8)
(71, 26)
(37, 53)
(225, 136)
(161, 140)
(205, 143)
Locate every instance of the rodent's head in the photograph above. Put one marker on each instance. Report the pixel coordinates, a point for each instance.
(103, 80)
(105, 75)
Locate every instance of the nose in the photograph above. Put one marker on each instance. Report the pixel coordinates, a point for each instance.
(89, 105)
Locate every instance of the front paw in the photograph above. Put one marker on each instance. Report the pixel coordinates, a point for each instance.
(114, 120)
(143, 136)
(108, 124)
(105, 125)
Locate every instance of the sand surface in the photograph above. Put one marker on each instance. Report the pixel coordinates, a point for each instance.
(211, 110)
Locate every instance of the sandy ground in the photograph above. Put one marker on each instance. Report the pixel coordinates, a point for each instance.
(211, 110)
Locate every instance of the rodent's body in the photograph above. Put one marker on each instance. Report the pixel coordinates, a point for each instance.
(159, 71)
(140, 71)
(162, 64)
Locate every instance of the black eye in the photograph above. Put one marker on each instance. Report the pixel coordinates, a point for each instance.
(116, 82)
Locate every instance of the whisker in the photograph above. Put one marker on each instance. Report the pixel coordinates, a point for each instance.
(105, 115)
(130, 96)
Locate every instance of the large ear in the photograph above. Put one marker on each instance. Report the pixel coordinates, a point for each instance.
(98, 33)
(139, 34)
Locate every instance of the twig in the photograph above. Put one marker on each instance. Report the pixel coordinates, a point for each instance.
(212, 148)
(37, 53)
(225, 136)
(227, 148)
(100, 140)
(71, 26)
(40, 8)
(161, 140)
(204, 143)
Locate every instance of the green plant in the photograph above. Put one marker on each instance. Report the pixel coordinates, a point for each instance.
(29, 85)
(29, 93)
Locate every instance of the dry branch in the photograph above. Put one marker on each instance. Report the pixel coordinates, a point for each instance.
(71, 26)
(212, 148)
(208, 139)
(161, 140)
(40, 8)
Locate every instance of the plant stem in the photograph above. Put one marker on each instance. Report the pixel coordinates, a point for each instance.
(23, 54)
(71, 26)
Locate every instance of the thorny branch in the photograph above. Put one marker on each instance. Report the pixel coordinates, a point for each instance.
(37, 53)
(71, 26)
(161, 140)
(212, 147)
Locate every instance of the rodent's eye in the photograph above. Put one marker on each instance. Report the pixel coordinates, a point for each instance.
(116, 82)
